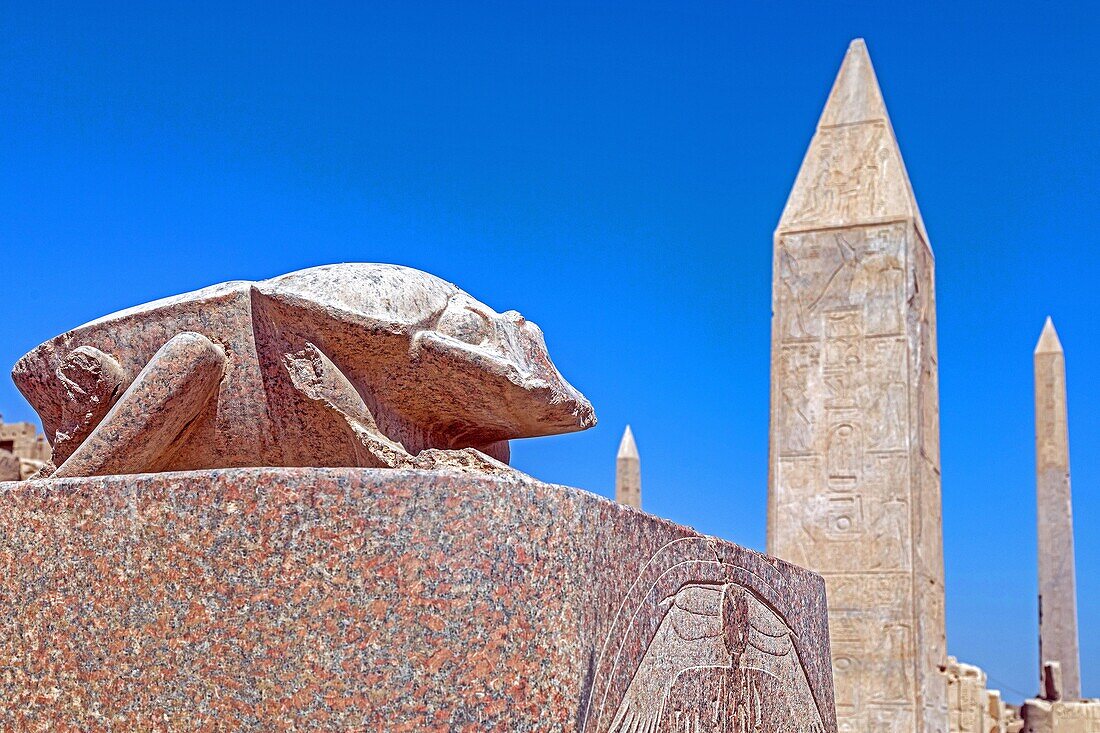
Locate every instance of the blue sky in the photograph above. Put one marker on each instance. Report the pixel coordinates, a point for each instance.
(614, 172)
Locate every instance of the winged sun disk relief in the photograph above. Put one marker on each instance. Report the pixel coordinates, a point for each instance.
(721, 629)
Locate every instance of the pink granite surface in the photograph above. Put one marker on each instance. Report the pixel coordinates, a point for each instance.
(390, 600)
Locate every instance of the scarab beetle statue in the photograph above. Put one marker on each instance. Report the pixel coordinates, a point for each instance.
(340, 365)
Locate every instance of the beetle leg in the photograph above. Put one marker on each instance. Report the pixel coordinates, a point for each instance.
(168, 394)
(316, 377)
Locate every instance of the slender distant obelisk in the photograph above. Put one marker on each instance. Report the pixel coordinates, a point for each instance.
(1057, 578)
(628, 472)
(854, 479)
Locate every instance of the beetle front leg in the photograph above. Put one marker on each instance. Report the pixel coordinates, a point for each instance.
(169, 393)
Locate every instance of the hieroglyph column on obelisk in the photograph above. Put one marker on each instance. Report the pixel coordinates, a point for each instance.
(854, 479)
(1057, 577)
(628, 472)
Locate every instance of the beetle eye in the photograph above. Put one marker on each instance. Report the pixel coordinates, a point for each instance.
(465, 325)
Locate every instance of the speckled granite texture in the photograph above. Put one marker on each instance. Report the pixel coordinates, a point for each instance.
(390, 600)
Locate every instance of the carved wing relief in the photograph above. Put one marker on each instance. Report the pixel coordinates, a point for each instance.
(714, 656)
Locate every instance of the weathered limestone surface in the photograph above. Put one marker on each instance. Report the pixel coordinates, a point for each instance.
(1008, 715)
(269, 599)
(28, 447)
(967, 700)
(1057, 574)
(971, 707)
(1051, 684)
(628, 472)
(1061, 716)
(854, 481)
(341, 365)
(9, 466)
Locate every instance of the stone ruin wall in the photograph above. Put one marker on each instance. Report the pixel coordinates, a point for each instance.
(23, 450)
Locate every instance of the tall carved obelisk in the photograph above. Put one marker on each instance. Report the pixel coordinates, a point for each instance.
(628, 472)
(854, 475)
(1057, 576)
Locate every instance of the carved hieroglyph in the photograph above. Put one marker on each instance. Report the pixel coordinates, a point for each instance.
(628, 472)
(353, 364)
(968, 705)
(854, 481)
(702, 645)
(1057, 576)
(972, 708)
(1061, 716)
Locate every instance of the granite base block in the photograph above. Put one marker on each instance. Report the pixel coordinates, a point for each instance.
(381, 600)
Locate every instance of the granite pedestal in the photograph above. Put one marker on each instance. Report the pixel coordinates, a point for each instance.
(390, 600)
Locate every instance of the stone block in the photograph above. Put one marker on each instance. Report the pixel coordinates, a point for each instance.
(967, 699)
(1061, 716)
(1052, 680)
(9, 466)
(397, 600)
(22, 444)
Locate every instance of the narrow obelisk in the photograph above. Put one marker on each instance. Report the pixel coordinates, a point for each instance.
(1057, 577)
(628, 472)
(854, 460)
